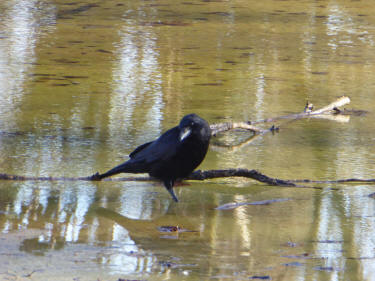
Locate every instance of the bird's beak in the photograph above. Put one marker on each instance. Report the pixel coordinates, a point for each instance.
(185, 132)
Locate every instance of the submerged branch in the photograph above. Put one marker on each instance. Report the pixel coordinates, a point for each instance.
(222, 127)
(234, 205)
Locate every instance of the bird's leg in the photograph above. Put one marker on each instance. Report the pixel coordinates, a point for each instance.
(169, 186)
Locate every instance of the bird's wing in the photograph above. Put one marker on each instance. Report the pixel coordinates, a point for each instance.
(139, 148)
(163, 148)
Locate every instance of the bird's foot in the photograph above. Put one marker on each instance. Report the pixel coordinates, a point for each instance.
(171, 192)
(95, 177)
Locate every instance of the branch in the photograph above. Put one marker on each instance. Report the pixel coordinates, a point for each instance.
(351, 180)
(329, 111)
(253, 174)
(197, 175)
(339, 102)
(28, 178)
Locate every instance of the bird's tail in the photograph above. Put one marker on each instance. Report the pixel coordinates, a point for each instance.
(123, 168)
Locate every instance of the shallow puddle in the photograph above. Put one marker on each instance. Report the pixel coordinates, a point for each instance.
(84, 83)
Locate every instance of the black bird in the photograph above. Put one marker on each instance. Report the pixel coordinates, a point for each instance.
(174, 155)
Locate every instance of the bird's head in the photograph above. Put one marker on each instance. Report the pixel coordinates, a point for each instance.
(193, 125)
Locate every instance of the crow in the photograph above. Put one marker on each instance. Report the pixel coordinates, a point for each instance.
(173, 156)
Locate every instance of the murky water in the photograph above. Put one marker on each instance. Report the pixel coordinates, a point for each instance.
(83, 83)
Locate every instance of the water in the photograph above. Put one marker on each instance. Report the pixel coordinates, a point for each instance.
(83, 83)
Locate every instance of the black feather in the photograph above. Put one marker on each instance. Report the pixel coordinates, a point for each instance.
(169, 158)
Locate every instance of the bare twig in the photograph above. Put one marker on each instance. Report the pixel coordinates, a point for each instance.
(328, 110)
(339, 102)
(309, 112)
